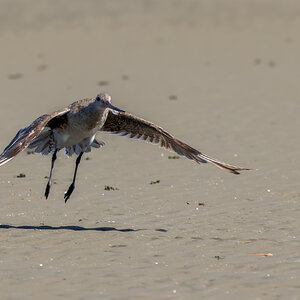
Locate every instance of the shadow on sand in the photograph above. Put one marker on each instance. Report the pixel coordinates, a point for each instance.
(74, 228)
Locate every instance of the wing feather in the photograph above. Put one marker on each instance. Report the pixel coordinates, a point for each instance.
(26, 135)
(125, 124)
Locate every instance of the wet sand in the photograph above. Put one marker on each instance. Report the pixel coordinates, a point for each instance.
(223, 78)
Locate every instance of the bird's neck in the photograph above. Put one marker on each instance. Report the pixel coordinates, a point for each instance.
(97, 116)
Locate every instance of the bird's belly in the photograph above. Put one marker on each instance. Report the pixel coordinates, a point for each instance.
(67, 138)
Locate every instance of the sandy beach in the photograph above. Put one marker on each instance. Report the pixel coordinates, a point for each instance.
(222, 76)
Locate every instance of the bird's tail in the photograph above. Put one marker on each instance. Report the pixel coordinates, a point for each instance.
(43, 143)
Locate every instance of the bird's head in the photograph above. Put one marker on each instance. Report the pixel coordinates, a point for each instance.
(104, 100)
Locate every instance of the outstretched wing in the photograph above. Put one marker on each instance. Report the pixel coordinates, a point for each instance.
(26, 135)
(130, 126)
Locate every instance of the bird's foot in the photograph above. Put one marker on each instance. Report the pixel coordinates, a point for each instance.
(47, 190)
(69, 192)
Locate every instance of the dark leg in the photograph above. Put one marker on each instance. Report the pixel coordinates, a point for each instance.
(72, 186)
(50, 176)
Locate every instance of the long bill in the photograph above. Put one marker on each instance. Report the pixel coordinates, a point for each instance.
(114, 107)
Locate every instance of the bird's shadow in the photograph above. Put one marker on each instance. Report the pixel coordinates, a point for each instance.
(73, 228)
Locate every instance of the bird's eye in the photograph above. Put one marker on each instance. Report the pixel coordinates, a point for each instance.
(98, 98)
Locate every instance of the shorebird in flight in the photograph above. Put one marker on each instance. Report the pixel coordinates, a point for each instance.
(74, 129)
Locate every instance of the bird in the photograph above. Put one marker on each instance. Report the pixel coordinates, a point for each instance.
(74, 130)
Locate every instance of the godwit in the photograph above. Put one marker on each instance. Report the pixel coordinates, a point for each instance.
(74, 129)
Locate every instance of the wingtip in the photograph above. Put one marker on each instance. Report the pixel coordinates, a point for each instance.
(230, 168)
(4, 160)
(237, 170)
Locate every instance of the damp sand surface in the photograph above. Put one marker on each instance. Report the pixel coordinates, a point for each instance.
(142, 223)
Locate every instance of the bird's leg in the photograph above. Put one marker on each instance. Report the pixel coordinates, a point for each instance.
(50, 176)
(72, 185)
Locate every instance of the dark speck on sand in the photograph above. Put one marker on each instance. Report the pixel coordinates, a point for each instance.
(42, 67)
(173, 97)
(218, 257)
(103, 83)
(15, 76)
(155, 182)
(21, 175)
(110, 188)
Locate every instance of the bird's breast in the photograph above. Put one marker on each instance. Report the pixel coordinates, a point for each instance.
(81, 125)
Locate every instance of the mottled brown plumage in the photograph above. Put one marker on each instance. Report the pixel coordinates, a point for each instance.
(26, 135)
(74, 128)
(130, 126)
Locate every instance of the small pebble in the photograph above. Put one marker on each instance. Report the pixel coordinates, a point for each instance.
(218, 257)
(110, 188)
(21, 175)
(155, 182)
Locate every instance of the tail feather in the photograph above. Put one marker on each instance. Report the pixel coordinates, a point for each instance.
(43, 138)
(42, 143)
(83, 146)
